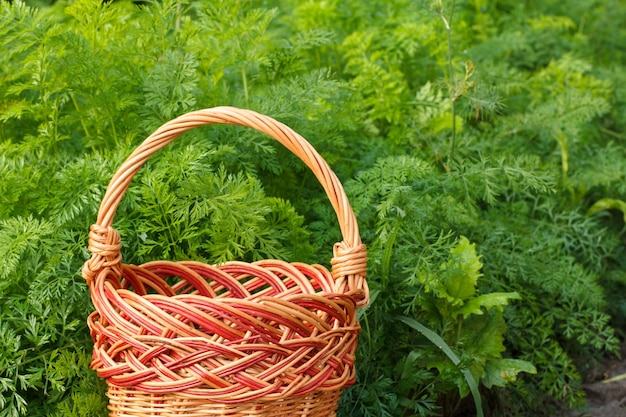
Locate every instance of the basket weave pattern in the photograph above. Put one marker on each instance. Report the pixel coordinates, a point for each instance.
(269, 338)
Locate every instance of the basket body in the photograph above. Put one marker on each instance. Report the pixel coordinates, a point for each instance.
(264, 339)
(138, 403)
(268, 338)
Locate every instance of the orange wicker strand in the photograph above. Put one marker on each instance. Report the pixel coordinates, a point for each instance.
(269, 338)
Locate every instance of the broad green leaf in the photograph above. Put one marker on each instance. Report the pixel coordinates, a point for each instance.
(488, 301)
(607, 204)
(444, 121)
(462, 271)
(502, 371)
(483, 337)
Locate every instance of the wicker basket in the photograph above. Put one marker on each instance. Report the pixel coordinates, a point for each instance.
(268, 338)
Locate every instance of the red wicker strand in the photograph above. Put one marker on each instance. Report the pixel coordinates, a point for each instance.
(268, 338)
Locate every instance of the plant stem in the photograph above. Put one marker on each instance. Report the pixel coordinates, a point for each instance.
(82, 119)
(453, 134)
(386, 260)
(244, 79)
(71, 346)
(612, 133)
(451, 81)
(112, 120)
(178, 11)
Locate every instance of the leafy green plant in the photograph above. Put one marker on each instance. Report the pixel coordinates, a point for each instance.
(428, 279)
(481, 144)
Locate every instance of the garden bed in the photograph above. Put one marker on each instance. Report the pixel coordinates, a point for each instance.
(482, 146)
(606, 393)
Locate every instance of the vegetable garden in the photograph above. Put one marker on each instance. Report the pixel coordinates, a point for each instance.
(482, 146)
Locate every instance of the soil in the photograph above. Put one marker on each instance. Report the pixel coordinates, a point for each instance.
(606, 393)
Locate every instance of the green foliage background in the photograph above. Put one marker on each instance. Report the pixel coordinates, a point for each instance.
(482, 145)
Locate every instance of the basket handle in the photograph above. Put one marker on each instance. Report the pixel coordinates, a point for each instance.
(349, 256)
